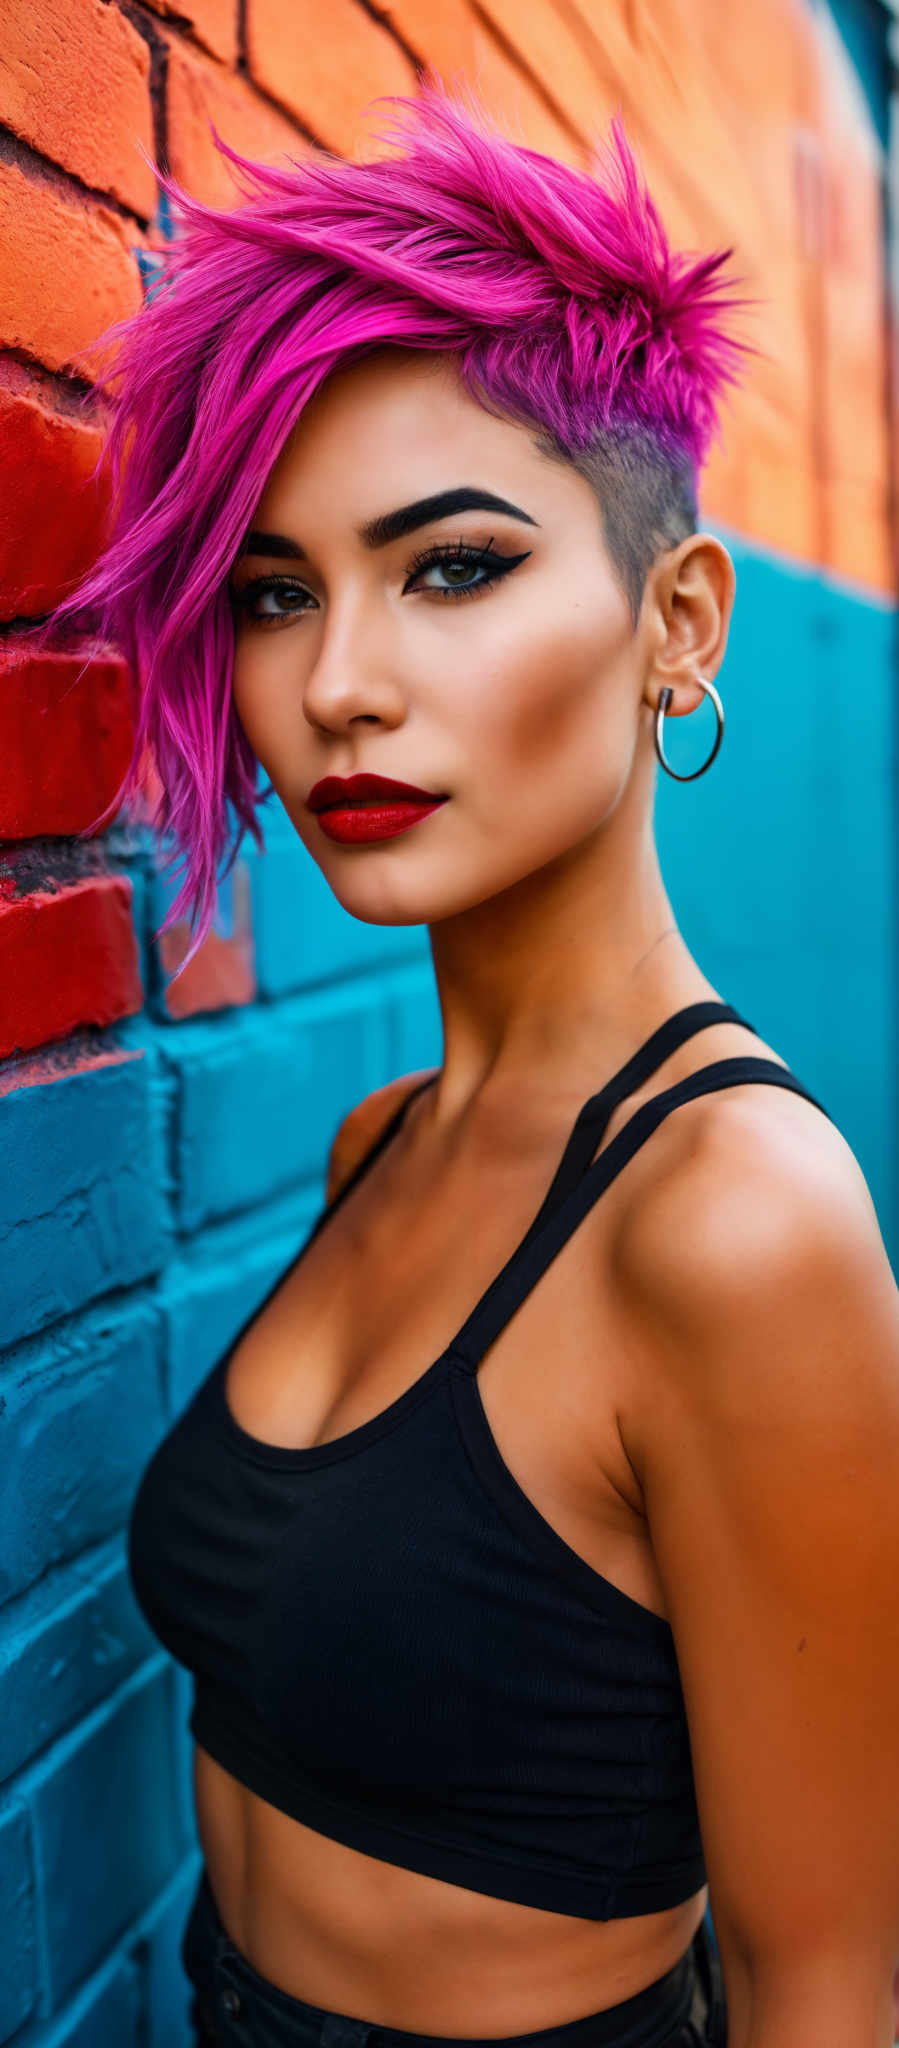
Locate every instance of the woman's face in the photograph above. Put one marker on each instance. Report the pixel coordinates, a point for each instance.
(484, 653)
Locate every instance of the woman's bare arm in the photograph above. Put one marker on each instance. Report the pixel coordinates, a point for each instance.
(764, 1429)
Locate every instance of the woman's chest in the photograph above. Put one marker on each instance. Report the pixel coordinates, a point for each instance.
(380, 1295)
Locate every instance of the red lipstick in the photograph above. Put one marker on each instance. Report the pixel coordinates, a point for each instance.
(363, 808)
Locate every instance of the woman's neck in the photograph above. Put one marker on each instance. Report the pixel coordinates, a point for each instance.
(558, 977)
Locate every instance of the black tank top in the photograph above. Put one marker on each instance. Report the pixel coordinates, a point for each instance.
(388, 1640)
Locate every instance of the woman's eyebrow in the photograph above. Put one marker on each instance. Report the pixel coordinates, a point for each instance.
(390, 526)
(377, 533)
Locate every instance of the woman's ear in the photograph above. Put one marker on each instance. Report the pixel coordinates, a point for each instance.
(689, 599)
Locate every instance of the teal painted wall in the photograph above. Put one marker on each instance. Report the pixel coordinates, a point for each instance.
(862, 26)
(781, 861)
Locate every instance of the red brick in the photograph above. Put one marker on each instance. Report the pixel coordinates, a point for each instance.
(66, 273)
(52, 517)
(516, 105)
(326, 74)
(214, 23)
(75, 83)
(66, 736)
(66, 959)
(199, 92)
(440, 32)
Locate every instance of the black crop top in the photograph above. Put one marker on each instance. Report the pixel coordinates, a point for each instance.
(391, 1644)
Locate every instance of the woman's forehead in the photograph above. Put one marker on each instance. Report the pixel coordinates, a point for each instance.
(399, 426)
(383, 395)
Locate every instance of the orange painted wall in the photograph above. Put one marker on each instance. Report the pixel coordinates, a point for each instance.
(752, 133)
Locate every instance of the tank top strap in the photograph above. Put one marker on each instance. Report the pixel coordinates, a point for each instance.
(592, 1119)
(537, 1250)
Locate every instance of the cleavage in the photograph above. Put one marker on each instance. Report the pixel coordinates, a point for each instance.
(377, 1296)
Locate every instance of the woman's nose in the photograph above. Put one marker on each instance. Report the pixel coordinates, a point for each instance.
(353, 677)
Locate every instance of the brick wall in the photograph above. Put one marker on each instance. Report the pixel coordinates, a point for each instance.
(162, 1150)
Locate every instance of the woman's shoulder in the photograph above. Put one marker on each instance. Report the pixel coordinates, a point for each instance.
(757, 1212)
(362, 1126)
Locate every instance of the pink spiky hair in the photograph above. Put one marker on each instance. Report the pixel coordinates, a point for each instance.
(555, 289)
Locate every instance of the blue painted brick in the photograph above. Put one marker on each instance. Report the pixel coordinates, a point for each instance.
(113, 2016)
(82, 1206)
(18, 1945)
(261, 1095)
(184, 1750)
(211, 1293)
(167, 1991)
(82, 1408)
(105, 2013)
(64, 1645)
(302, 934)
(107, 1827)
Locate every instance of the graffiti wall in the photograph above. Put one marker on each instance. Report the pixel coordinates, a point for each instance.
(148, 1190)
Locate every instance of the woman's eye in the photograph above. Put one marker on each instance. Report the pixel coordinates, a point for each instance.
(458, 572)
(283, 588)
(463, 570)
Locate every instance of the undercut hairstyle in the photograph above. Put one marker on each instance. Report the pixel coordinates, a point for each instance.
(554, 289)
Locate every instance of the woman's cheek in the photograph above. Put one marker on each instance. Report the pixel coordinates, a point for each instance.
(264, 714)
(556, 752)
(542, 706)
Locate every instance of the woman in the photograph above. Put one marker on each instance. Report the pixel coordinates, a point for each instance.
(533, 1545)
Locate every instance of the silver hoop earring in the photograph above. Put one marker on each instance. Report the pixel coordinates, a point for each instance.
(665, 697)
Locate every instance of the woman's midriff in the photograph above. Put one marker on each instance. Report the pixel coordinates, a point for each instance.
(359, 1936)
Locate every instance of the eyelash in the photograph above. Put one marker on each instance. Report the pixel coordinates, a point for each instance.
(484, 558)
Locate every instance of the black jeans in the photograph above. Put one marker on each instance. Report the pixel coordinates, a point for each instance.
(234, 2007)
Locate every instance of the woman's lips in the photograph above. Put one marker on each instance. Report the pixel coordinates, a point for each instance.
(360, 808)
(358, 824)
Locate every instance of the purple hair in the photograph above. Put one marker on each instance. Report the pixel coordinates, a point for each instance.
(556, 291)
